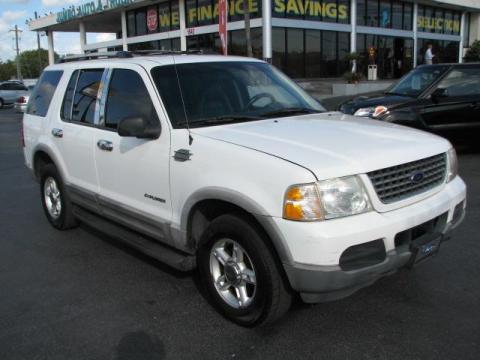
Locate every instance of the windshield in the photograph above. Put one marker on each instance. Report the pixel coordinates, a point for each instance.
(224, 92)
(416, 81)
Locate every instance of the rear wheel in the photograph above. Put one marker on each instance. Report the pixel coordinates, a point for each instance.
(1, 103)
(55, 200)
(243, 279)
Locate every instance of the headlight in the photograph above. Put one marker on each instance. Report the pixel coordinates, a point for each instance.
(326, 199)
(374, 111)
(364, 111)
(452, 164)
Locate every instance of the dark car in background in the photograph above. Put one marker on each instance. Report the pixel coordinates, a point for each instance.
(437, 98)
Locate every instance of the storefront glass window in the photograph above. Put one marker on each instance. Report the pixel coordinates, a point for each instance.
(429, 20)
(141, 22)
(455, 24)
(448, 19)
(295, 52)
(175, 16)
(313, 53)
(397, 12)
(131, 23)
(439, 17)
(361, 8)
(372, 13)
(343, 50)
(437, 20)
(343, 11)
(392, 55)
(278, 47)
(385, 14)
(164, 16)
(191, 13)
(407, 16)
(329, 51)
(205, 15)
(466, 33)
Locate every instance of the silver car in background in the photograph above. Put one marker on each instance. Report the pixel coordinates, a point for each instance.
(10, 91)
(21, 103)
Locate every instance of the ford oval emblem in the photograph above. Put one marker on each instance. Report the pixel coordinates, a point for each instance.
(417, 177)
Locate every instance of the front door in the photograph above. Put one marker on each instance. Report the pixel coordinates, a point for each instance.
(455, 101)
(133, 174)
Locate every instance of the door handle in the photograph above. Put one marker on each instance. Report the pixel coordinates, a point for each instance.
(57, 132)
(105, 145)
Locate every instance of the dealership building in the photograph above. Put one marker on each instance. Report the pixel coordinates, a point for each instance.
(304, 38)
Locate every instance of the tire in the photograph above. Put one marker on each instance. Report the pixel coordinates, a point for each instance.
(266, 295)
(1, 103)
(55, 200)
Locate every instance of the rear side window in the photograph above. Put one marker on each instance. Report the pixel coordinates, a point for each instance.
(43, 93)
(128, 97)
(85, 96)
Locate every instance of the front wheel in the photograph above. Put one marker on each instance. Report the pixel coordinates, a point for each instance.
(55, 200)
(242, 277)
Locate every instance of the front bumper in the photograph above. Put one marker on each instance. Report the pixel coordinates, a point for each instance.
(317, 272)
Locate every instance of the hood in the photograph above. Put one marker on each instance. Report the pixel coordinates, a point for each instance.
(373, 100)
(331, 144)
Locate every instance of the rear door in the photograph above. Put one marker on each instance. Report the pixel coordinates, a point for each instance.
(455, 102)
(133, 173)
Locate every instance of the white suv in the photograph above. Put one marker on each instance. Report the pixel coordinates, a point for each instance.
(223, 164)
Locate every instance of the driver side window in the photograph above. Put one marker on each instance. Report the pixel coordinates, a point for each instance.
(128, 97)
(461, 82)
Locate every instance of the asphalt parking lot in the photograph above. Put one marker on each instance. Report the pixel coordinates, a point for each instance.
(80, 295)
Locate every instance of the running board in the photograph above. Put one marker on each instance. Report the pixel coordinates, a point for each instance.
(165, 254)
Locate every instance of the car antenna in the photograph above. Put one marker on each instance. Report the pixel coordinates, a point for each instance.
(190, 138)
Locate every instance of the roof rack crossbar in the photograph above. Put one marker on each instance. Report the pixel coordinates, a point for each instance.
(125, 54)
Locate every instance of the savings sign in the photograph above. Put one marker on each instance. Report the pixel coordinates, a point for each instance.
(313, 8)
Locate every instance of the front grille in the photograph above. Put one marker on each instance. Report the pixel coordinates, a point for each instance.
(402, 181)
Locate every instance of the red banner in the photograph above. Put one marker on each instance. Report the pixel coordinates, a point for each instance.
(222, 24)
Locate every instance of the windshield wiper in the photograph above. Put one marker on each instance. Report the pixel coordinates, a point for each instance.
(224, 119)
(289, 111)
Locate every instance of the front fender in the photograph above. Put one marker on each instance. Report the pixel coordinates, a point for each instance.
(247, 204)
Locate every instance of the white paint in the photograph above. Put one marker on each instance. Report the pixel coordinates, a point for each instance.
(256, 161)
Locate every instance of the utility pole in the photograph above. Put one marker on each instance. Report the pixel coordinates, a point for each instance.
(40, 67)
(17, 49)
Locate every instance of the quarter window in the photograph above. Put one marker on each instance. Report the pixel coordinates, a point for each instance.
(85, 97)
(43, 93)
(128, 97)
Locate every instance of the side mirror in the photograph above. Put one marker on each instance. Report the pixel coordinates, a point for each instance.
(438, 93)
(138, 127)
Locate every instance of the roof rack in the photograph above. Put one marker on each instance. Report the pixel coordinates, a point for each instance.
(125, 54)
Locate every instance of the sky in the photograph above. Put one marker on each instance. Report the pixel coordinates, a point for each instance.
(16, 12)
